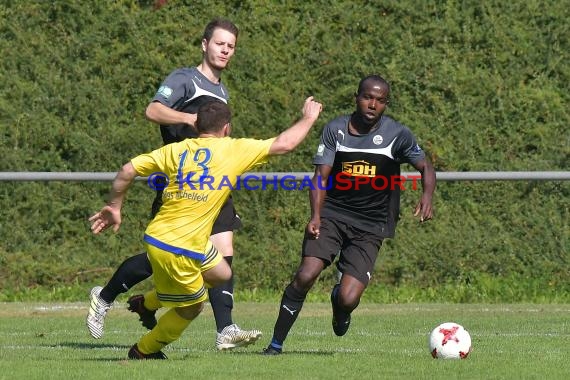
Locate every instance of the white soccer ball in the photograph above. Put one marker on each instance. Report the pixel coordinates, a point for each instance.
(449, 341)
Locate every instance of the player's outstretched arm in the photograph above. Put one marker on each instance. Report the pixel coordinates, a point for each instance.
(110, 215)
(292, 137)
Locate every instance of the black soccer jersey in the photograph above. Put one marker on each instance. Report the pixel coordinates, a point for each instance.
(185, 90)
(365, 188)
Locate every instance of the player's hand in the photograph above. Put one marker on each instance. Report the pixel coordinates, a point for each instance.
(313, 228)
(424, 209)
(190, 120)
(312, 109)
(107, 217)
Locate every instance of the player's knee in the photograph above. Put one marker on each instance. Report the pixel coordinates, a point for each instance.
(190, 312)
(347, 300)
(305, 279)
(227, 275)
(219, 274)
(224, 271)
(308, 272)
(348, 304)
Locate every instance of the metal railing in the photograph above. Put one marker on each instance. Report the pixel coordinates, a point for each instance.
(441, 176)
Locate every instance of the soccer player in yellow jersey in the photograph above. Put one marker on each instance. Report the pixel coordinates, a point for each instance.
(200, 174)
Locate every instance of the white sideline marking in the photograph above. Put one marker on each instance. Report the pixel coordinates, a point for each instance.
(475, 308)
(59, 347)
(66, 333)
(60, 307)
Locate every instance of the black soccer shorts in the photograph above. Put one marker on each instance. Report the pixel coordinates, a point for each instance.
(228, 219)
(356, 249)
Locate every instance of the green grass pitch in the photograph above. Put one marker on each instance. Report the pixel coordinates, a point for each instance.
(518, 341)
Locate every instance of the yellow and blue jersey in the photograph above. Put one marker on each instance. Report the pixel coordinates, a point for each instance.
(201, 173)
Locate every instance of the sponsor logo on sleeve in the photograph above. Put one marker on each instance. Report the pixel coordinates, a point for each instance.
(164, 91)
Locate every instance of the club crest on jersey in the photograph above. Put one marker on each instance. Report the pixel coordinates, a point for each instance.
(359, 168)
(320, 149)
(164, 91)
(377, 140)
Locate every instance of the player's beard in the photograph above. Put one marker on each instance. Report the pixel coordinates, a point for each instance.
(217, 64)
(369, 120)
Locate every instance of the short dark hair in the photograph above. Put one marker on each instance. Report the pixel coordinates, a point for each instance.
(212, 116)
(222, 24)
(373, 78)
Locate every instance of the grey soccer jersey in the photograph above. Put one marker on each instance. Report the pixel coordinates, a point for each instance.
(365, 169)
(185, 90)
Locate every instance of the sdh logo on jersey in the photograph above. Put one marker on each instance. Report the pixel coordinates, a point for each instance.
(359, 168)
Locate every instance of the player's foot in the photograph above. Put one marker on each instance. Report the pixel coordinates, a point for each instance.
(135, 354)
(340, 319)
(270, 350)
(146, 316)
(97, 311)
(232, 337)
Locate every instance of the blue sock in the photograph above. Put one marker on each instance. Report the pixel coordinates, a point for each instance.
(276, 344)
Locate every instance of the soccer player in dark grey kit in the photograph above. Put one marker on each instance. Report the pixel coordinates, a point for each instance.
(174, 108)
(357, 212)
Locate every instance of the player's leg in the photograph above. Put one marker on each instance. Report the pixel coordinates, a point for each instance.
(317, 255)
(168, 329)
(345, 297)
(146, 305)
(292, 301)
(180, 286)
(215, 270)
(356, 263)
(229, 334)
(131, 271)
(222, 296)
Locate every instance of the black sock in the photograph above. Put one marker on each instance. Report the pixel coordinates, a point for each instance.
(131, 271)
(291, 304)
(222, 300)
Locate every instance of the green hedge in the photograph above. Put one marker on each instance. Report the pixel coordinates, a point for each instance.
(484, 86)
